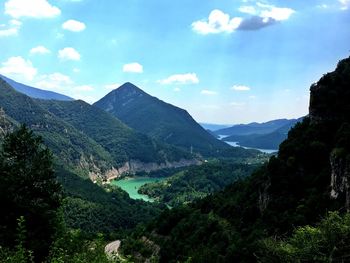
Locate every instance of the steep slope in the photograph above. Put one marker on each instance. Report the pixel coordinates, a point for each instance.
(71, 146)
(158, 119)
(270, 140)
(308, 178)
(254, 128)
(123, 143)
(35, 92)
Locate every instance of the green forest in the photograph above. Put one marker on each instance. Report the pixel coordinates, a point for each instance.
(236, 206)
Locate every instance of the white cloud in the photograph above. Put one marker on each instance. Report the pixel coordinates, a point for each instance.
(112, 86)
(322, 6)
(248, 10)
(73, 25)
(39, 50)
(68, 53)
(11, 29)
(267, 11)
(84, 88)
(276, 13)
(240, 88)
(177, 89)
(19, 68)
(261, 15)
(55, 81)
(208, 92)
(188, 78)
(133, 68)
(344, 4)
(32, 8)
(76, 70)
(217, 22)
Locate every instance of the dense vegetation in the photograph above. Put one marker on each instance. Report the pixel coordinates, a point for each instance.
(29, 193)
(122, 142)
(41, 220)
(66, 142)
(197, 182)
(94, 209)
(293, 189)
(83, 137)
(158, 119)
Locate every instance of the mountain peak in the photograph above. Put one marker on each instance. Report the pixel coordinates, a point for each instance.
(128, 86)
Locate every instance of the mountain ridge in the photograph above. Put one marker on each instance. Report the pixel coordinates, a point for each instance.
(158, 119)
(35, 92)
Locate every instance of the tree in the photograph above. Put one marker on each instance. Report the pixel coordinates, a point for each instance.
(28, 190)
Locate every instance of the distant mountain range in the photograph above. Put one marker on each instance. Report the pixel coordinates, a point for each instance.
(35, 92)
(214, 127)
(253, 128)
(269, 140)
(158, 119)
(267, 135)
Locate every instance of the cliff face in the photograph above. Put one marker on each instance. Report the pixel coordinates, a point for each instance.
(330, 109)
(133, 166)
(329, 100)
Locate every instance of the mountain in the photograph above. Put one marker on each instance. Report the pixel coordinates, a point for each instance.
(123, 143)
(158, 119)
(264, 141)
(89, 139)
(254, 128)
(213, 127)
(35, 92)
(286, 198)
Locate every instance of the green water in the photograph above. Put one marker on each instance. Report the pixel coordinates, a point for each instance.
(131, 185)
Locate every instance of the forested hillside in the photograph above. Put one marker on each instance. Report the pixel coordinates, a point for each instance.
(302, 184)
(158, 119)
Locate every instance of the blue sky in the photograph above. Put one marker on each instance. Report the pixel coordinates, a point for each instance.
(225, 61)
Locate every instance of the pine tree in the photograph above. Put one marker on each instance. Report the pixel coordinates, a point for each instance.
(28, 189)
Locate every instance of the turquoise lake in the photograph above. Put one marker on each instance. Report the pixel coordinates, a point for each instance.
(131, 185)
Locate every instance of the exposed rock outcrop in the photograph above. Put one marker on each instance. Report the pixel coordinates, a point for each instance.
(340, 178)
(134, 166)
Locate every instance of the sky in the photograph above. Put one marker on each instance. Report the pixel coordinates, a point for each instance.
(224, 61)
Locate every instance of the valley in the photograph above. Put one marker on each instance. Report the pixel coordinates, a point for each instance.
(174, 131)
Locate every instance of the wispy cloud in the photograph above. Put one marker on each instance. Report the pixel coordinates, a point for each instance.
(18, 68)
(68, 53)
(55, 82)
(11, 29)
(180, 79)
(32, 8)
(112, 86)
(208, 92)
(240, 88)
(344, 4)
(134, 67)
(74, 25)
(39, 50)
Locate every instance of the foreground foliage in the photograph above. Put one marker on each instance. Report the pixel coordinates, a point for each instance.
(197, 182)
